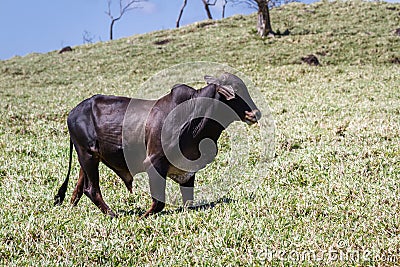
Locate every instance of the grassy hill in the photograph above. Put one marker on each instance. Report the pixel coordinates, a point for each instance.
(329, 197)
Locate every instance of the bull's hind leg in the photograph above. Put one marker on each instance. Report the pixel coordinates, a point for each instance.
(91, 187)
(77, 194)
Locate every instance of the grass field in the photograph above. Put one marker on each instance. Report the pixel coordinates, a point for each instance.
(330, 196)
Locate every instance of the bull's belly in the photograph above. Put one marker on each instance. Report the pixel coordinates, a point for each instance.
(178, 175)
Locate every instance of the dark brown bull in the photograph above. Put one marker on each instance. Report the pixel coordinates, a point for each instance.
(152, 137)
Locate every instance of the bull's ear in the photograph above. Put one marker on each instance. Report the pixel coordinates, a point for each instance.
(227, 91)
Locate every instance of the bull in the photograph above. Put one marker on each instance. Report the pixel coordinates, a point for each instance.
(132, 135)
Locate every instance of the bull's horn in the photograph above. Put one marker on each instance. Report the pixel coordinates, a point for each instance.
(210, 79)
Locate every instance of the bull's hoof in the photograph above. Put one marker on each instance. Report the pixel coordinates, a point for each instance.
(74, 201)
(58, 200)
(112, 214)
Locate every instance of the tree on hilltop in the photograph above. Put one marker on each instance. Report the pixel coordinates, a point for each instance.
(181, 13)
(206, 4)
(124, 7)
(264, 27)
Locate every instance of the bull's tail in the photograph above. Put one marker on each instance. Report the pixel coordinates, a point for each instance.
(59, 198)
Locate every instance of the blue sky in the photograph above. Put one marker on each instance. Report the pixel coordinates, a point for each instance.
(45, 25)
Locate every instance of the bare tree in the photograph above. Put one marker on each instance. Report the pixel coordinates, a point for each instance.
(124, 7)
(263, 20)
(264, 27)
(87, 37)
(181, 13)
(224, 2)
(207, 4)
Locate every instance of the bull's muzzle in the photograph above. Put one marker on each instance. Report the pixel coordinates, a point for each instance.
(253, 116)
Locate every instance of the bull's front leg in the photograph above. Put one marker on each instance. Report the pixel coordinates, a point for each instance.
(157, 173)
(187, 192)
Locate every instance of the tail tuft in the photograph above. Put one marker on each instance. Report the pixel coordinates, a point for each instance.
(59, 198)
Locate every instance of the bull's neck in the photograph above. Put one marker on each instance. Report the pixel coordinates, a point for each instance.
(208, 127)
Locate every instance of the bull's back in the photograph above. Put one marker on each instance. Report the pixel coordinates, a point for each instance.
(106, 125)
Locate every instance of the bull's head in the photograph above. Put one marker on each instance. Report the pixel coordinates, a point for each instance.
(237, 96)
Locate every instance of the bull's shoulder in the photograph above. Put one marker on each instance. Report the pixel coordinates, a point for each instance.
(181, 92)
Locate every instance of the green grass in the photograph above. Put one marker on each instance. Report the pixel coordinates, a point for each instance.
(333, 184)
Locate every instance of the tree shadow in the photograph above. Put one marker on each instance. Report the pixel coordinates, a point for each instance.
(278, 33)
(205, 206)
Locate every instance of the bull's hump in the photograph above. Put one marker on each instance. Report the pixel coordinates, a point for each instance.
(181, 93)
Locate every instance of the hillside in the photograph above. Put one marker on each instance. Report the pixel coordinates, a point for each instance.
(332, 185)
